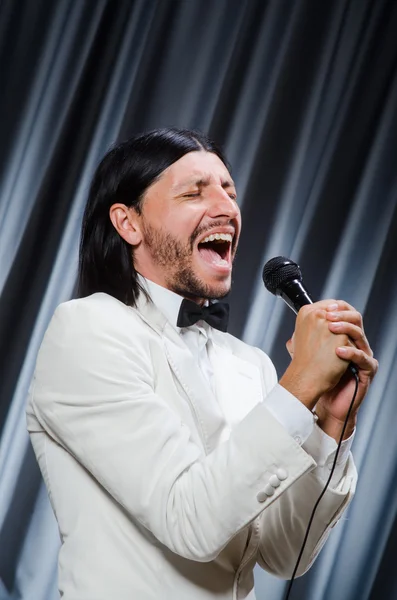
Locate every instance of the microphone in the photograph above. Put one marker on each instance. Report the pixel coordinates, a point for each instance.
(283, 277)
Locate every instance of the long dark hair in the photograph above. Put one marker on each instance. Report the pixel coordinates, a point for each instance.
(124, 174)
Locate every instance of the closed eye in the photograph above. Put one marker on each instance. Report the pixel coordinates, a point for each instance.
(192, 195)
(232, 195)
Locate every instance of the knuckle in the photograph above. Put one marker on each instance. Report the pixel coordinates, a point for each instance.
(348, 306)
(305, 309)
(342, 305)
(323, 303)
(330, 301)
(304, 313)
(358, 321)
(319, 313)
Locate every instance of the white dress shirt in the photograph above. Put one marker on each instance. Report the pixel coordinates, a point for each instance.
(298, 421)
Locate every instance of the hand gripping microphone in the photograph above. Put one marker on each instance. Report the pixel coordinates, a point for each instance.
(282, 277)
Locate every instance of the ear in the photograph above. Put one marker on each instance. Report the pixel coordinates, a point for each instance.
(126, 221)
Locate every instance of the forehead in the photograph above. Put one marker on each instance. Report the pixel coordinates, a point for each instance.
(193, 167)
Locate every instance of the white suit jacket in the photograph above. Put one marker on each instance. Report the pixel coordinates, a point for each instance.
(151, 503)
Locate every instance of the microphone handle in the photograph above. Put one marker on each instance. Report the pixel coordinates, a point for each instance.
(294, 294)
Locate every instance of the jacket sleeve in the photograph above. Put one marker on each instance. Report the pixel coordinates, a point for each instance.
(283, 526)
(295, 507)
(94, 394)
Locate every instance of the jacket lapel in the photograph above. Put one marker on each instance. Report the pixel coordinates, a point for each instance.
(204, 405)
(238, 382)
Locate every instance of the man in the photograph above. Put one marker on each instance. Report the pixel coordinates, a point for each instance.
(173, 459)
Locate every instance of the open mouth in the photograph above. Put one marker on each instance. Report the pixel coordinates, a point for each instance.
(215, 249)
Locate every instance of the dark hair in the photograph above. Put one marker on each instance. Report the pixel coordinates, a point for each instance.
(124, 174)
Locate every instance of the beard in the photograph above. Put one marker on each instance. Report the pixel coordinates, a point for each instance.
(175, 257)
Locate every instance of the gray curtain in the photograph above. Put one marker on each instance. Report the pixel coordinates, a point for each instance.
(302, 95)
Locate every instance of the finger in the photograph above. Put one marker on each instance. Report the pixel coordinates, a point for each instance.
(355, 333)
(351, 316)
(365, 363)
(339, 305)
(325, 303)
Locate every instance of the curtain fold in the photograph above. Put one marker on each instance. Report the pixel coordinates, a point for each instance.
(303, 97)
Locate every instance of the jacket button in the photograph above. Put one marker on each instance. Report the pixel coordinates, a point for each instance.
(281, 474)
(274, 481)
(269, 490)
(261, 497)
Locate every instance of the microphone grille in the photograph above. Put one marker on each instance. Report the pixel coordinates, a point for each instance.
(278, 270)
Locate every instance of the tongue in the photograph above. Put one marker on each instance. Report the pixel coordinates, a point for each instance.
(212, 257)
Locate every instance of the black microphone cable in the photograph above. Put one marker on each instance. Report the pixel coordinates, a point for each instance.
(291, 582)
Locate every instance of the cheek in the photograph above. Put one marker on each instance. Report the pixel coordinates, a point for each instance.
(179, 220)
(238, 228)
(185, 222)
(239, 221)
(157, 210)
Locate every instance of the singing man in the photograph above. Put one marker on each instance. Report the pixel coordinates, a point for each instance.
(174, 459)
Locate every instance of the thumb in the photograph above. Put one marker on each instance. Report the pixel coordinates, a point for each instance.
(290, 346)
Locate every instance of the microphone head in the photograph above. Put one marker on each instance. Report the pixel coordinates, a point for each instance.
(280, 270)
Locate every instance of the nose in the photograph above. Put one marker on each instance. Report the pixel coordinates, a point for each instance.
(222, 205)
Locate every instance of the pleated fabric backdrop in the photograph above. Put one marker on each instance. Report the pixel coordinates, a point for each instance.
(302, 95)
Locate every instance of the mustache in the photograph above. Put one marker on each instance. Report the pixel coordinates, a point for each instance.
(207, 229)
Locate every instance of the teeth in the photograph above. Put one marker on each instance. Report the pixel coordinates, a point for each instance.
(226, 237)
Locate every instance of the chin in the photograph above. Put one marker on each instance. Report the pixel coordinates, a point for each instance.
(199, 284)
(217, 289)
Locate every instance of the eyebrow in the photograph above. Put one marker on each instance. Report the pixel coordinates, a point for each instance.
(203, 182)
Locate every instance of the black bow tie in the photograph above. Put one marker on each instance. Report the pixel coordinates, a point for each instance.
(216, 315)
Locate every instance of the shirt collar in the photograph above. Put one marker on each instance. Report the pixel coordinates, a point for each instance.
(166, 301)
